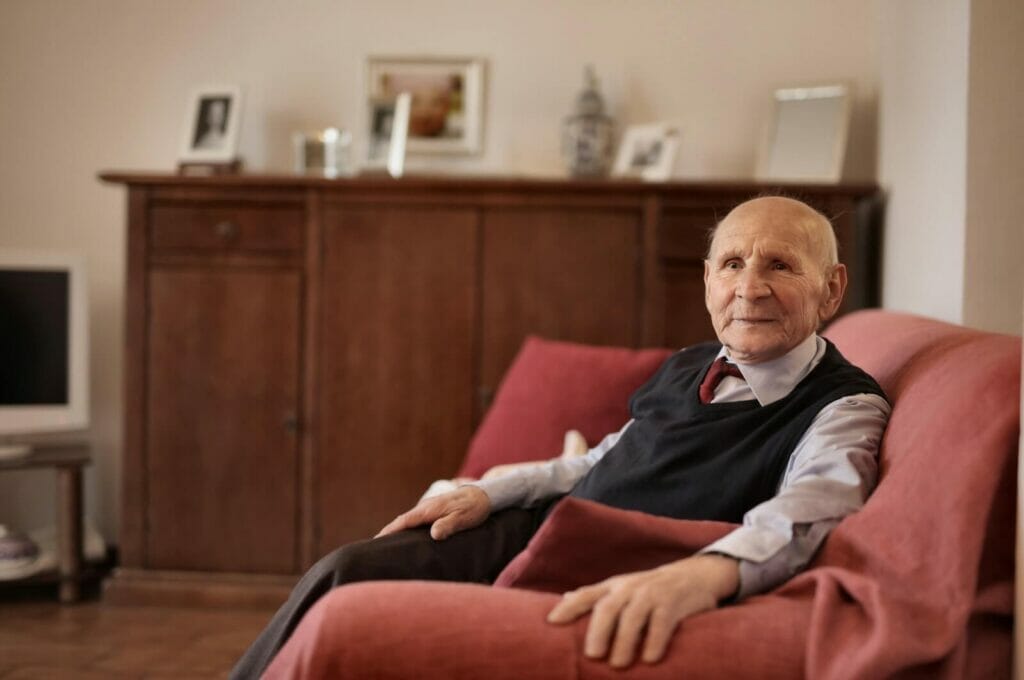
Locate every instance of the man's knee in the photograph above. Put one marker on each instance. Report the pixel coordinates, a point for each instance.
(347, 564)
(370, 560)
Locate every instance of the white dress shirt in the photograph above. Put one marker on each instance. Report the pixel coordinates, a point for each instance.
(830, 473)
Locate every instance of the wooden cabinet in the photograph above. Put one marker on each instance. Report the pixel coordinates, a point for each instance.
(565, 274)
(398, 317)
(304, 356)
(221, 405)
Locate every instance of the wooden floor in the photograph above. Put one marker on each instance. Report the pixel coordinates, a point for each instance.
(40, 640)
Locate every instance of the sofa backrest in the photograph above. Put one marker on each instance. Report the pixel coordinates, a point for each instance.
(552, 387)
(937, 535)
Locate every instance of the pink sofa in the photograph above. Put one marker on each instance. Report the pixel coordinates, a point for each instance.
(917, 584)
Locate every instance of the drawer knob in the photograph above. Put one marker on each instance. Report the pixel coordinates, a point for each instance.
(226, 229)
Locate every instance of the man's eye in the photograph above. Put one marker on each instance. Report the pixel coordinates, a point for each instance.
(733, 264)
(780, 266)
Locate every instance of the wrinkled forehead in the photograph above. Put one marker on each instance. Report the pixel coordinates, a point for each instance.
(765, 236)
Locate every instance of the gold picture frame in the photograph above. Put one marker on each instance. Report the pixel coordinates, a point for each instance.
(447, 106)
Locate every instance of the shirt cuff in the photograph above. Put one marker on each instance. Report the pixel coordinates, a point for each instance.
(504, 492)
(749, 543)
(760, 576)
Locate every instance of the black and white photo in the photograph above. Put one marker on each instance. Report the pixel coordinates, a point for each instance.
(647, 152)
(211, 125)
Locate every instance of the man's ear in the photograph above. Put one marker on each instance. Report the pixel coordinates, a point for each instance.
(707, 273)
(835, 288)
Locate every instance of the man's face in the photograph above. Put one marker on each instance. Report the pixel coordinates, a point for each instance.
(767, 286)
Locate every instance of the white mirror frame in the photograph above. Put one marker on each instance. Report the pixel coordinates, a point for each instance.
(791, 151)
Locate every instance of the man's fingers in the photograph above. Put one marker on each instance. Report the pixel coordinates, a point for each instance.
(391, 527)
(461, 509)
(661, 626)
(603, 622)
(444, 527)
(631, 624)
(413, 518)
(575, 604)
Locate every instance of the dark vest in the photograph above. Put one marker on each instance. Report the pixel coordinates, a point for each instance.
(684, 459)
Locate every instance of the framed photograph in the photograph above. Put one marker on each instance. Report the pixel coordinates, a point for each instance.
(805, 139)
(446, 102)
(389, 132)
(382, 125)
(647, 152)
(211, 125)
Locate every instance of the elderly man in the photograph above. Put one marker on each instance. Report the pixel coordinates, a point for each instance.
(770, 426)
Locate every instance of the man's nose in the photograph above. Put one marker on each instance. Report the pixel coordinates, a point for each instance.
(752, 285)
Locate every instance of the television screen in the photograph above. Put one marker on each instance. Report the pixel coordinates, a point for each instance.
(34, 337)
(44, 344)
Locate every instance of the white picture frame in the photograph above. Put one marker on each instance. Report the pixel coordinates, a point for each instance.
(212, 119)
(399, 135)
(806, 134)
(388, 134)
(647, 152)
(447, 100)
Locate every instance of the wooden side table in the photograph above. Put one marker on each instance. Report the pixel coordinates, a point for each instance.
(68, 460)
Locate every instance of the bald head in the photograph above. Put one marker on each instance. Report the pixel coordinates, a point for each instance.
(779, 210)
(771, 277)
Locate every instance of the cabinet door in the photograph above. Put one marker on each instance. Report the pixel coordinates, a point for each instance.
(396, 342)
(681, 247)
(221, 407)
(565, 274)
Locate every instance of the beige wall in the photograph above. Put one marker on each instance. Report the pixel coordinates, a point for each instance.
(923, 48)
(950, 158)
(103, 84)
(995, 168)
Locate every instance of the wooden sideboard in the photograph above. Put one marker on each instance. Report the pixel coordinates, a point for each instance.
(304, 356)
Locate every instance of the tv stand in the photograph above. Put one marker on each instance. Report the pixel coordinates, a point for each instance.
(12, 451)
(67, 460)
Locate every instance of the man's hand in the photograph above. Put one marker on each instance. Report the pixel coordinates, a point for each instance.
(650, 603)
(464, 508)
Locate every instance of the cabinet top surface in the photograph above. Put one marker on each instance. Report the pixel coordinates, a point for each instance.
(379, 182)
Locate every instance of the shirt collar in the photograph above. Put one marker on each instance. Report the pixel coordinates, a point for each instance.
(775, 379)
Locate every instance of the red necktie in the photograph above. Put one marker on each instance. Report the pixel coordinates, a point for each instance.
(718, 370)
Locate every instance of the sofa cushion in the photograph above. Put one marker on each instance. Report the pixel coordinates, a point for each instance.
(552, 387)
(448, 631)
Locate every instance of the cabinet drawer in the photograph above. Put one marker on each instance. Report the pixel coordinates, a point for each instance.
(206, 228)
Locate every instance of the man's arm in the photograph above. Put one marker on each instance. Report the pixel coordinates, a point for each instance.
(832, 471)
(470, 504)
(533, 483)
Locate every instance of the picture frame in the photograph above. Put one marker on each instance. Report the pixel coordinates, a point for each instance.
(212, 119)
(447, 101)
(381, 117)
(647, 152)
(806, 134)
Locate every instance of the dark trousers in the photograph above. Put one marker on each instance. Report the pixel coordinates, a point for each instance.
(476, 556)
